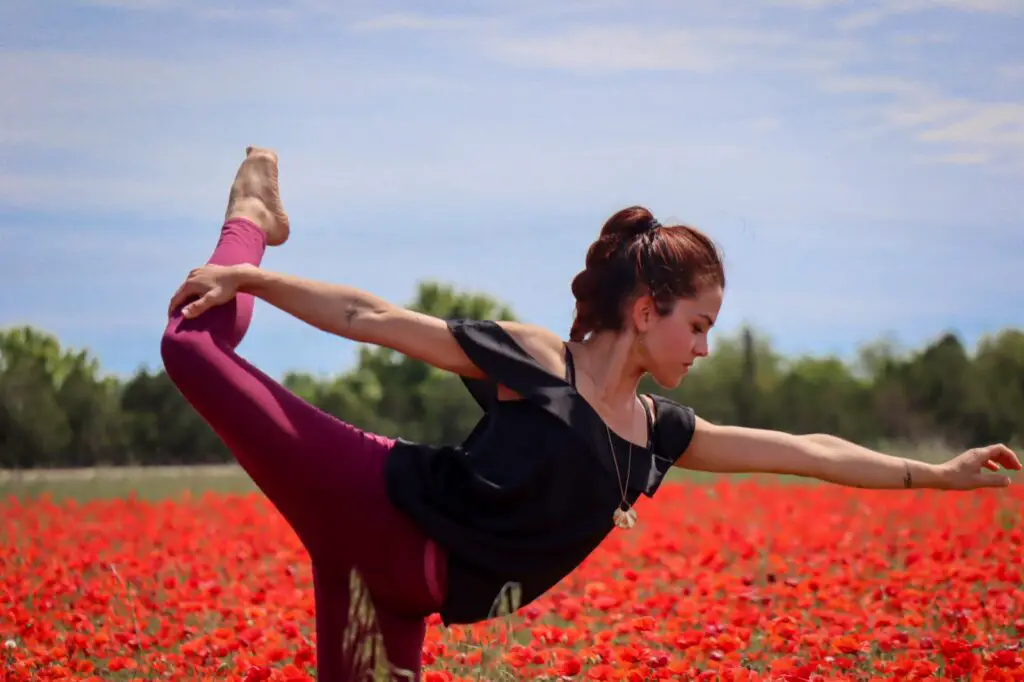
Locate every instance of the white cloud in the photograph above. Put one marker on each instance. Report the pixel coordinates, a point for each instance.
(727, 115)
(1012, 72)
(810, 4)
(976, 130)
(967, 159)
(420, 22)
(892, 8)
(234, 12)
(887, 85)
(618, 49)
(132, 132)
(983, 124)
(137, 5)
(598, 46)
(965, 127)
(147, 131)
(910, 39)
(992, 132)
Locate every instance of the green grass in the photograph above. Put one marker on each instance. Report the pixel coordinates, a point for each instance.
(158, 483)
(104, 483)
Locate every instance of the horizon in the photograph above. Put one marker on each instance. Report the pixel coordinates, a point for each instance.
(859, 163)
(850, 358)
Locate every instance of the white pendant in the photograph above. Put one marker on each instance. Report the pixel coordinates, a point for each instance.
(624, 518)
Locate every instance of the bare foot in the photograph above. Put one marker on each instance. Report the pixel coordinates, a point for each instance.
(255, 195)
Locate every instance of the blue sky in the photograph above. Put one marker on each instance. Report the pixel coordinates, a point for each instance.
(860, 162)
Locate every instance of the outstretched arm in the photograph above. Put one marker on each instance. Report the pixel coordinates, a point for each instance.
(733, 449)
(351, 313)
(361, 316)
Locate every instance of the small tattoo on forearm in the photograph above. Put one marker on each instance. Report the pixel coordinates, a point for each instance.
(350, 314)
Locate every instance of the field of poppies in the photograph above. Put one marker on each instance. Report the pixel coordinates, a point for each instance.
(734, 580)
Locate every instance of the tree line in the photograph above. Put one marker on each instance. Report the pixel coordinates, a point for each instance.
(58, 409)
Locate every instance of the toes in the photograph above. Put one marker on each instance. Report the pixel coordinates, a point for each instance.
(270, 154)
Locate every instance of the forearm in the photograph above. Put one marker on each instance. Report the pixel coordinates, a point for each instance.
(333, 308)
(737, 449)
(839, 461)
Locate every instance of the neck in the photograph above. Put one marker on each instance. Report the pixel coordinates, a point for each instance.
(611, 363)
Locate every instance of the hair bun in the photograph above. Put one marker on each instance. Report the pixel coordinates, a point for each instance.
(630, 223)
(619, 265)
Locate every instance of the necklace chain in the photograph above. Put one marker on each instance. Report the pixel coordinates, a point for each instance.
(623, 518)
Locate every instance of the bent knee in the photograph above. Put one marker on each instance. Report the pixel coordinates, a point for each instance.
(181, 350)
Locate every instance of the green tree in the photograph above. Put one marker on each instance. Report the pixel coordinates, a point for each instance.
(161, 426)
(33, 428)
(410, 398)
(821, 395)
(57, 409)
(734, 384)
(999, 371)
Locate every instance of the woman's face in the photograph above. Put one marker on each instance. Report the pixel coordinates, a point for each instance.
(672, 343)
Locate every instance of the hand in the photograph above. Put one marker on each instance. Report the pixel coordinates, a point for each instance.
(213, 285)
(969, 470)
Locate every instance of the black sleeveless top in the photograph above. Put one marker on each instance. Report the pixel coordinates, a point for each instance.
(531, 492)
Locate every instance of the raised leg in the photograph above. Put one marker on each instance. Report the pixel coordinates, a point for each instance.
(274, 435)
(323, 475)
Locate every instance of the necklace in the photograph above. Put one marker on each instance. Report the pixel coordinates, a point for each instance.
(623, 518)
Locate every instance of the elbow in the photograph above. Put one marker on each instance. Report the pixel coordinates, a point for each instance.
(821, 456)
(818, 439)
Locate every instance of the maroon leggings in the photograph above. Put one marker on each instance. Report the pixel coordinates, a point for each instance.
(324, 476)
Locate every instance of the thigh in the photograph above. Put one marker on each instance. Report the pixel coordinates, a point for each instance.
(402, 568)
(310, 465)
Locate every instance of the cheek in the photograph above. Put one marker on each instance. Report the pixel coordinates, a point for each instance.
(673, 342)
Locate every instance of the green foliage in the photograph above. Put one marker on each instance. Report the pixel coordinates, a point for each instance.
(57, 410)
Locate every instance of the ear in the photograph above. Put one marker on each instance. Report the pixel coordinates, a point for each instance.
(642, 312)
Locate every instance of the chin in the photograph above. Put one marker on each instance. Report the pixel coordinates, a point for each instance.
(669, 381)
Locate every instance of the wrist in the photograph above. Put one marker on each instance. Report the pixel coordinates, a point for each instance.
(924, 475)
(247, 278)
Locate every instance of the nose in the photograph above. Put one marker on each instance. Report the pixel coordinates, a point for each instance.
(700, 349)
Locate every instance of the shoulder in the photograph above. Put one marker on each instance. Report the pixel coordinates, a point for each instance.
(667, 409)
(546, 347)
(675, 425)
(542, 345)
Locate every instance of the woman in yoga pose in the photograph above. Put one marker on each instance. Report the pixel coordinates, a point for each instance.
(564, 450)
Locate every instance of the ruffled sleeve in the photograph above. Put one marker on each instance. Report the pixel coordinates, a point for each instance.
(505, 362)
(674, 427)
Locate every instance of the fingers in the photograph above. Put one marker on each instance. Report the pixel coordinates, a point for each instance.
(200, 306)
(984, 480)
(1007, 457)
(190, 288)
(184, 292)
(977, 467)
(999, 455)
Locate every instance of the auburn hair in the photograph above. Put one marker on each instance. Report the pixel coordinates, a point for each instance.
(636, 255)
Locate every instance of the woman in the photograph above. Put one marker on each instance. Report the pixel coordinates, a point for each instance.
(565, 448)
